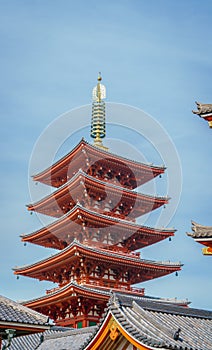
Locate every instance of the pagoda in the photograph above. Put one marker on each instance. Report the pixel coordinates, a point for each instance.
(96, 233)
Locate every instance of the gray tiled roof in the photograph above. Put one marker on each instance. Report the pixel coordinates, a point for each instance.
(200, 231)
(33, 341)
(160, 305)
(151, 322)
(10, 311)
(155, 324)
(72, 339)
(203, 108)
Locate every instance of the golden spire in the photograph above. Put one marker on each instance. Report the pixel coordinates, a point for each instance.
(99, 77)
(98, 113)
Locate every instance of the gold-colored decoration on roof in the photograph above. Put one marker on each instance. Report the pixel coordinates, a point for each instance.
(207, 251)
(113, 328)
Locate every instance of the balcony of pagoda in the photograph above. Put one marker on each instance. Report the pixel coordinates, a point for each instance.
(83, 264)
(97, 230)
(98, 285)
(119, 288)
(99, 196)
(100, 164)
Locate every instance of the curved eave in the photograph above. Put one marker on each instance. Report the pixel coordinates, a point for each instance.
(133, 243)
(99, 185)
(23, 328)
(205, 241)
(203, 238)
(200, 235)
(47, 174)
(206, 116)
(66, 292)
(100, 254)
(100, 218)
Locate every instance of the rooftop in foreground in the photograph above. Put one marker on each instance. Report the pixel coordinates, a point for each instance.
(143, 322)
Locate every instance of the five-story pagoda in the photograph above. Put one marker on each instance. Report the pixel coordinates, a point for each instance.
(96, 231)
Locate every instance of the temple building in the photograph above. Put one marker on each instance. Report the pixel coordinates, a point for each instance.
(204, 111)
(203, 235)
(139, 324)
(131, 323)
(96, 233)
(17, 320)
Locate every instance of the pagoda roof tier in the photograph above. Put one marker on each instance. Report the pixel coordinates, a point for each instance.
(65, 304)
(203, 235)
(97, 230)
(73, 289)
(60, 294)
(104, 197)
(84, 264)
(99, 163)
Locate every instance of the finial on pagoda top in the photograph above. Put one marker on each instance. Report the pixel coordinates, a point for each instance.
(98, 131)
(99, 91)
(99, 77)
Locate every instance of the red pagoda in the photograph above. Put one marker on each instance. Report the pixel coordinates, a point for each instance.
(96, 233)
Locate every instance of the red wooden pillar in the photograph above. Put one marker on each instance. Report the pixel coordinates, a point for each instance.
(84, 323)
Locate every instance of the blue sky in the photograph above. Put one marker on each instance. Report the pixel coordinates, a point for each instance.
(154, 55)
